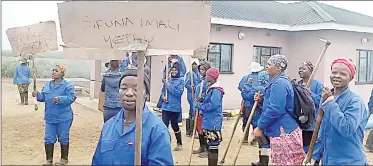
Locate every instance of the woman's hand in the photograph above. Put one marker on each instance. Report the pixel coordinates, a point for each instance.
(34, 93)
(165, 100)
(257, 132)
(326, 93)
(56, 100)
(258, 97)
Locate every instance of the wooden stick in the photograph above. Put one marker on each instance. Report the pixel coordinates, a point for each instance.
(167, 75)
(34, 82)
(245, 131)
(321, 112)
(191, 73)
(139, 106)
(196, 113)
(233, 131)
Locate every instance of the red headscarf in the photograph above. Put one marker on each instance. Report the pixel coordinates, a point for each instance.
(213, 72)
(348, 62)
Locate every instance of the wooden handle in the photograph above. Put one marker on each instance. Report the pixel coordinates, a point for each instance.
(321, 56)
(314, 135)
(233, 131)
(245, 131)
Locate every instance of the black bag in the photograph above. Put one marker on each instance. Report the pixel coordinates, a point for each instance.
(304, 106)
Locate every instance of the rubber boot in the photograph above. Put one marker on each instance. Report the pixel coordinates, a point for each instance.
(64, 155)
(263, 158)
(179, 145)
(187, 128)
(213, 157)
(204, 154)
(246, 139)
(202, 147)
(49, 148)
(369, 142)
(25, 97)
(22, 99)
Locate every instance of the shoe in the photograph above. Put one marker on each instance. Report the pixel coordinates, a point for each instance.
(49, 148)
(178, 147)
(64, 155)
(178, 141)
(203, 154)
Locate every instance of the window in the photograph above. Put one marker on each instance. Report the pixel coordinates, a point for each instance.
(220, 56)
(364, 66)
(263, 53)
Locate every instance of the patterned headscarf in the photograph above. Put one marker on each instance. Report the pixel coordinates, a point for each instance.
(309, 65)
(62, 68)
(279, 61)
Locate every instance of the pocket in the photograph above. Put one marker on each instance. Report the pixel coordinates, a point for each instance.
(107, 145)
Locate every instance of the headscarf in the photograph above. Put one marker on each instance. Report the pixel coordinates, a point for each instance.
(213, 72)
(133, 72)
(63, 69)
(205, 64)
(349, 63)
(309, 65)
(279, 61)
(177, 67)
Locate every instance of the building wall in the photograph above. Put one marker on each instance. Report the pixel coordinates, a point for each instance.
(298, 46)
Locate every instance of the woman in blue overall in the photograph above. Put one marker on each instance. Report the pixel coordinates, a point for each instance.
(276, 122)
(21, 78)
(191, 87)
(116, 145)
(110, 85)
(305, 71)
(203, 146)
(246, 86)
(58, 96)
(340, 139)
(369, 142)
(171, 107)
(255, 83)
(212, 109)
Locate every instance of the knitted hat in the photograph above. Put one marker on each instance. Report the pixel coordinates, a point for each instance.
(213, 72)
(133, 72)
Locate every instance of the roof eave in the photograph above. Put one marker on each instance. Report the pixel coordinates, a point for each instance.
(294, 28)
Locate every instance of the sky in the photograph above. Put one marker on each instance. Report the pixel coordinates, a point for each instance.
(23, 13)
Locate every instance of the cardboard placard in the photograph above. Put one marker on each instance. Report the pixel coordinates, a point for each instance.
(166, 25)
(33, 39)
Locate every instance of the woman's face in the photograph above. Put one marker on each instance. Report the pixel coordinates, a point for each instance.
(340, 76)
(304, 71)
(272, 70)
(56, 73)
(174, 72)
(128, 93)
(210, 79)
(202, 70)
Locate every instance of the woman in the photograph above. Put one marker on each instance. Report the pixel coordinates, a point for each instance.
(110, 85)
(305, 71)
(21, 78)
(191, 92)
(202, 150)
(116, 145)
(171, 107)
(212, 109)
(276, 122)
(340, 139)
(58, 96)
(369, 142)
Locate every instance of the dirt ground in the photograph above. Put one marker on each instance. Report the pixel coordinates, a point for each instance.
(23, 135)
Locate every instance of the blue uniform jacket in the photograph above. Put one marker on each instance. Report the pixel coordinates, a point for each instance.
(316, 92)
(110, 83)
(278, 104)
(340, 139)
(203, 95)
(126, 62)
(117, 147)
(188, 86)
(212, 108)
(248, 91)
(22, 74)
(370, 104)
(174, 92)
(60, 112)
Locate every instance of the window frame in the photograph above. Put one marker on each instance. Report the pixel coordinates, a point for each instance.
(220, 54)
(369, 55)
(261, 54)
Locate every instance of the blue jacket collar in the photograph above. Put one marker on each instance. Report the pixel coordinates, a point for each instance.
(119, 118)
